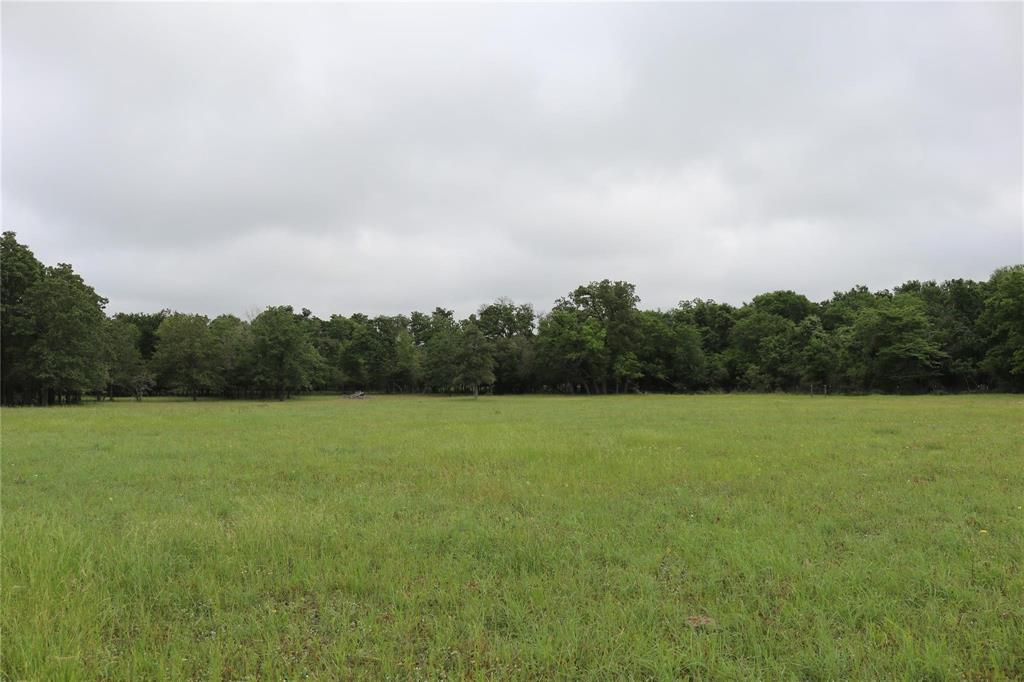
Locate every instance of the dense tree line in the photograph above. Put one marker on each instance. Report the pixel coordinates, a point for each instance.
(59, 345)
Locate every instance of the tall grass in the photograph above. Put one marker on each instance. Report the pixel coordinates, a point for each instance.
(714, 537)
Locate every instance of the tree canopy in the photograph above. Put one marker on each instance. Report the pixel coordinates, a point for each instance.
(58, 344)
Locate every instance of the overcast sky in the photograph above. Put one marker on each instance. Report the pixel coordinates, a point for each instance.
(383, 159)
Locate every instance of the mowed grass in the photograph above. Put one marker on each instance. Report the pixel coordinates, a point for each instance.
(664, 537)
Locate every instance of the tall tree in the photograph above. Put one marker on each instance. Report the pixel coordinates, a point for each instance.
(67, 356)
(669, 352)
(571, 350)
(818, 355)
(284, 358)
(764, 354)
(344, 353)
(147, 324)
(1003, 325)
(232, 343)
(612, 306)
(19, 272)
(842, 309)
(474, 361)
(510, 329)
(408, 370)
(127, 372)
(788, 304)
(185, 358)
(896, 344)
(713, 322)
(440, 364)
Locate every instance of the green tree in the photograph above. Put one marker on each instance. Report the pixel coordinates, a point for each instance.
(67, 356)
(842, 309)
(510, 329)
(185, 358)
(895, 345)
(441, 349)
(408, 372)
(765, 356)
(147, 324)
(788, 304)
(669, 352)
(19, 272)
(342, 351)
(818, 355)
(713, 322)
(656, 350)
(474, 361)
(571, 349)
(612, 306)
(284, 358)
(232, 343)
(127, 372)
(382, 360)
(1002, 323)
(960, 333)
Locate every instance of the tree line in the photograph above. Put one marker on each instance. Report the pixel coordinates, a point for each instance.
(59, 345)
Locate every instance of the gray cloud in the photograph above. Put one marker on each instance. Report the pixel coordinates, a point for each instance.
(223, 157)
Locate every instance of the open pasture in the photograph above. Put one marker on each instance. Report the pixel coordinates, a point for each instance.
(664, 537)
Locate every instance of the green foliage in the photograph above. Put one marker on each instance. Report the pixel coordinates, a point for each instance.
(610, 307)
(147, 324)
(441, 348)
(127, 372)
(844, 306)
(505, 319)
(896, 344)
(384, 363)
(343, 350)
(186, 357)
(510, 329)
(234, 354)
(284, 358)
(67, 355)
(474, 360)
(669, 352)
(819, 353)
(713, 320)
(571, 349)
(19, 272)
(787, 304)
(957, 335)
(1003, 323)
(765, 353)
(408, 369)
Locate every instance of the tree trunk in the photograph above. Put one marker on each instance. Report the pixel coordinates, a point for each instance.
(476, 391)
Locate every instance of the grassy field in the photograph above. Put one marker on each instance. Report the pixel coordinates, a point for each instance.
(714, 537)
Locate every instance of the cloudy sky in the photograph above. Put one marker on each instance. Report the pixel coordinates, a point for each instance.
(221, 158)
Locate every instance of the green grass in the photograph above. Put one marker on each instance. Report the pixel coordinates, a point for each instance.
(533, 537)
